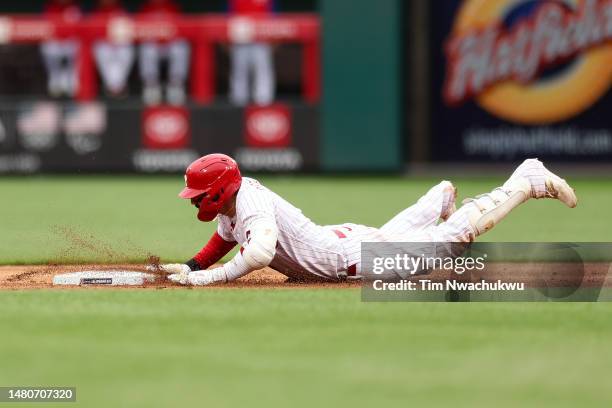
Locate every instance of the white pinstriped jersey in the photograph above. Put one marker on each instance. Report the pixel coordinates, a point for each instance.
(305, 248)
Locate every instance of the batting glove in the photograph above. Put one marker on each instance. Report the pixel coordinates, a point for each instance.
(180, 278)
(201, 278)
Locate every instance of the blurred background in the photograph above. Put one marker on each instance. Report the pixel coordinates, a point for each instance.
(147, 86)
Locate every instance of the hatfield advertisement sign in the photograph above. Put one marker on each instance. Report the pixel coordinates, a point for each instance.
(523, 77)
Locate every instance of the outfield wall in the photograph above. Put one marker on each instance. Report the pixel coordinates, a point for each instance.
(451, 81)
(361, 123)
(128, 137)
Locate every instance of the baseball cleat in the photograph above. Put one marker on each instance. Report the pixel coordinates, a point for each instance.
(556, 187)
(545, 183)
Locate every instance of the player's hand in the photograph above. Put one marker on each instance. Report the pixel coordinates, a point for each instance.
(180, 278)
(170, 268)
(200, 278)
(197, 278)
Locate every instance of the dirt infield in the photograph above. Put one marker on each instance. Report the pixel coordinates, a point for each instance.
(534, 275)
(41, 277)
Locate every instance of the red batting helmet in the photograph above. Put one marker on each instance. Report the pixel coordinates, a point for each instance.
(216, 177)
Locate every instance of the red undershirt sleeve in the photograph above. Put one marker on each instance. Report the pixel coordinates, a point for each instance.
(213, 251)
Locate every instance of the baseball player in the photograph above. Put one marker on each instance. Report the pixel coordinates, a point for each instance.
(272, 232)
(249, 56)
(59, 54)
(151, 53)
(114, 59)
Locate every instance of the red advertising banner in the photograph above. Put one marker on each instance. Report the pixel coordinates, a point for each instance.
(165, 127)
(267, 126)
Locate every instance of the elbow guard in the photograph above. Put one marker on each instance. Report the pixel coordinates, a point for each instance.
(261, 248)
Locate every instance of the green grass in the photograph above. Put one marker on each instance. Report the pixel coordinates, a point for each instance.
(290, 347)
(230, 348)
(126, 218)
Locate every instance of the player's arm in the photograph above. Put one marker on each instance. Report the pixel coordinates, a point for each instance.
(255, 212)
(219, 245)
(257, 253)
(215, 249)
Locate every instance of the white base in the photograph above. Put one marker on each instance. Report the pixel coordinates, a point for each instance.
(111, 278)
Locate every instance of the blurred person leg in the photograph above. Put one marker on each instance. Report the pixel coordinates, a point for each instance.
(57, 59)
(239, 76)
(178, 68)
(264, 81)
(53, 64)
(124, 59)
(149, 59)
(68, 80)
(114, 63)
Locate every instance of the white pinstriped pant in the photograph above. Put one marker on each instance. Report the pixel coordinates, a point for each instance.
(417, 223)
